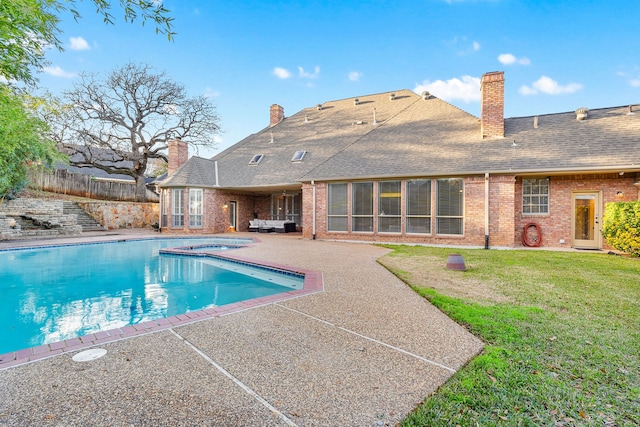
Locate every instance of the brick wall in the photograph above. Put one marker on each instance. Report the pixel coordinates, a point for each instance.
(505, 205)
(501, 205)
(556, 226)
(506, 220)
(216, 216)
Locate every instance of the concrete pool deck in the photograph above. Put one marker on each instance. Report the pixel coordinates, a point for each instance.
(362, 352)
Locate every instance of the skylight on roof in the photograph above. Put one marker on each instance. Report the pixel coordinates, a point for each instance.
(298, 156)
(256, 159)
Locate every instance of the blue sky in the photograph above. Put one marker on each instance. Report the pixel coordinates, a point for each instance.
(557, 55)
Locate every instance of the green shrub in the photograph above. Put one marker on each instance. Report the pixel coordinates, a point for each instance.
(621, 226)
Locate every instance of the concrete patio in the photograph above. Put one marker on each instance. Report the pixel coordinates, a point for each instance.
(363, 352)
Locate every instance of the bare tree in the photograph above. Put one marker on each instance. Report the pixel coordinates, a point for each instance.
(119, 123)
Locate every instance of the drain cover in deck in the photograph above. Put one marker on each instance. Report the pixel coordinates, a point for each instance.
(89, 355)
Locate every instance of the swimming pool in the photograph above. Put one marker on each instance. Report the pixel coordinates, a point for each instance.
(53, 294)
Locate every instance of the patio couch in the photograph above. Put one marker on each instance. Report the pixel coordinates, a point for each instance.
(269, 225)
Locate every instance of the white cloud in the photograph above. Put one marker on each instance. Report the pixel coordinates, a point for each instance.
(549, 86)
(59, 72)
(634, 82)
(509, 59)
(78, 43)
(210, 93)
(281, 73)
(466, 88)
(354, 76)
(526, 90)
(462, 45)
(306, 75)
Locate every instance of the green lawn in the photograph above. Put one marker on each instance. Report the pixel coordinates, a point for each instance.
(562, 335)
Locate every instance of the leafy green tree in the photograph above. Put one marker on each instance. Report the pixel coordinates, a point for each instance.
(27, 27)
(22, 142)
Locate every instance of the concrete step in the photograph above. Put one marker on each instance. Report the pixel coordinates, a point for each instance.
(83, 219)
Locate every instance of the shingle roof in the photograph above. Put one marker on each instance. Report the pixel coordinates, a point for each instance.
(322, 133)
(434, 140)
(416, 137)
(196, 172)
(608, 138)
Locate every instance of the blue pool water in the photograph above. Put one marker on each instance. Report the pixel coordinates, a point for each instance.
(52, 294)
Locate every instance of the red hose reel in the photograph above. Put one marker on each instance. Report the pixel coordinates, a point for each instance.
(529, 238)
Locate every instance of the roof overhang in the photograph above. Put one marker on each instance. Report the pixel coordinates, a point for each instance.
(539, 171)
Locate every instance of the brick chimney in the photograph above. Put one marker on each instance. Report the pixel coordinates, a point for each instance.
(276, 116)
(178, 155)
(492, 105)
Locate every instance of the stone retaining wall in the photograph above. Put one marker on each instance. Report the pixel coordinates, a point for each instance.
(114, 215)
(46, 212)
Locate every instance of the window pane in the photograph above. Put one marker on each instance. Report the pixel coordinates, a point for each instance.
(361, 223)
(195, 207)
(362, 198)
(449, 225)
(177, 211)
(418, 225)
(337, 207)
(450, 197)
(389, 198)
(337, 223)
(419, 197)
(535, 196)
(418, 201)
(389, 224)
(337, 199)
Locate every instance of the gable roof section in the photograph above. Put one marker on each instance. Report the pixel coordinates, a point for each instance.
(425, 139)
(197, 172)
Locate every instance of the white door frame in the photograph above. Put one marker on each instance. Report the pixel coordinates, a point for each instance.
(586, 219)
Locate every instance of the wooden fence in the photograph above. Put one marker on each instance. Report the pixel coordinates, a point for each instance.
(75, 184)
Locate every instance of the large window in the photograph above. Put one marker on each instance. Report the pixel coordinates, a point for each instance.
(389, 206)
(450, 207)
(362, 206)
(418, 201)
(177, 208)
(195, 207)
(337, 207)
(535, 196)
(165, 208)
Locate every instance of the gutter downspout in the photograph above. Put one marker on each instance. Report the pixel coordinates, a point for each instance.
(215, 166)
(486, 210)
(160, 208)
(313, 210)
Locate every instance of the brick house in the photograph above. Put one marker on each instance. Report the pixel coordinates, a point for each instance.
(402, 167)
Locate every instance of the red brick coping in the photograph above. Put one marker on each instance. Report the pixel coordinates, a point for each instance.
(313, 283)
